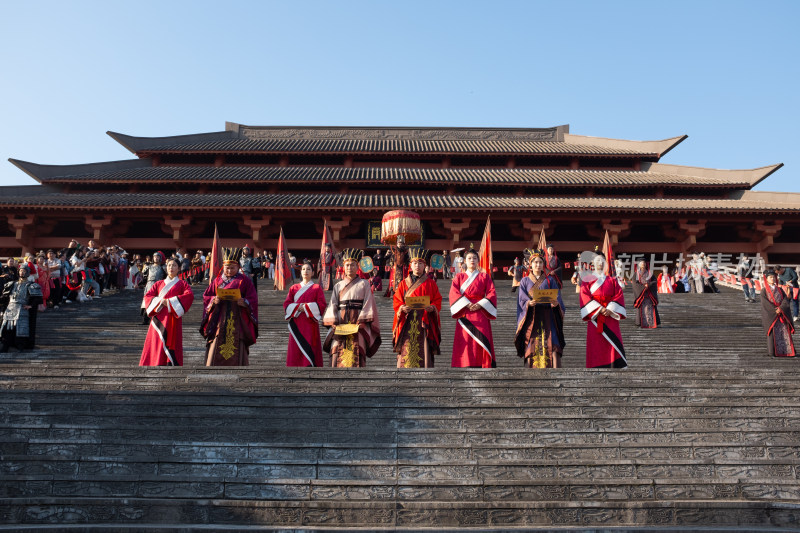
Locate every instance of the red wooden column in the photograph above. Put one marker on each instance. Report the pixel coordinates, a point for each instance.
(179, 227)
(691, 231)
(101, 228)
(24, 233)
(768, 233)
(256, 226)
(615, 229)
(339, 228)
(456, 228)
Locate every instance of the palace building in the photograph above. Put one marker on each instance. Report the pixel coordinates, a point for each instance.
(253, 180)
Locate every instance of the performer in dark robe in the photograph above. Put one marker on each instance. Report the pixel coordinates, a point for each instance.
(539, 338)
(400, 268)
(352, 303)
(553, 267)
(304, 307)
(20, 298)
(602, 307)
(776, 317)
(167, 301)
(645, 292)
(473, 303)
(230, 322)
(327, 268)
(416, 333)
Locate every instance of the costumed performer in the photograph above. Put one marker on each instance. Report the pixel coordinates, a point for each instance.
(602, 307)
(21, 298)
(645, 296)
(230, 320)
(665, 281)
(152, 273)
(352, 303)
(416, 332)
(167, 301)
(304, 307)
(400, 261)
(539, 338)
(776, 317)
(327, 268)
(553, 267)
(473, 303)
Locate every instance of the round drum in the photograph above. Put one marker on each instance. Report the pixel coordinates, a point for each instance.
(400, 222)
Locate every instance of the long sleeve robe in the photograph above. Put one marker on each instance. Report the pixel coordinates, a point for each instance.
(539, 338)
(416, 335)
(163, 345)
(352, 302)
(603, 337)
(778, 327)
(304, 307)
(473, 345)
(645, 301)
(665, 284)
(230, 329)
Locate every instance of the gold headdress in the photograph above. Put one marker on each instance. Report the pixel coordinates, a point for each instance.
(530, 253)
(419, 253)
(352, 254)
(231, 256)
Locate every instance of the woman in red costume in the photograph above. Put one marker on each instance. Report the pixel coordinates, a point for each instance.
(602, 307)
(473, 303)
(165, 303)
(304, 306)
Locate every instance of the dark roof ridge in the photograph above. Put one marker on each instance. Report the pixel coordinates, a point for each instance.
(753, 176)
(44, 172)
(135, 144)
(244, 131)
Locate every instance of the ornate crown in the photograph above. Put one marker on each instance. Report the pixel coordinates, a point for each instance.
(419, 253)
(231, 255)
(530, 253)
(352, 254)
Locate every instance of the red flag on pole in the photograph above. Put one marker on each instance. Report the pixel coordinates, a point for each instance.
(214, 259)
(543, 247)
(609, 253)
(485, 251)
(283, 273)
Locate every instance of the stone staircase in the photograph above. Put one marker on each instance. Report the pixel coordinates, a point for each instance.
(703, 430)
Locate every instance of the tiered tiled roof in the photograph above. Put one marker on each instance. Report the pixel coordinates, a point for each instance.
(422, 187)
(240, 139)
(44, 197)
(141, 171)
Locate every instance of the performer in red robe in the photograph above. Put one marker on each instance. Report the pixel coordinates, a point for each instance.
(473, 303)
(776, 317)
(416, 333)
(602, 307)
(665, 281)
(645, 297)
(400, 269)
(165, 303)
(353, 304)
(304, 307)
(230, 326)
(553, 267)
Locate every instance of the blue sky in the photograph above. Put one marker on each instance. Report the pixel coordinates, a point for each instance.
(724, 72)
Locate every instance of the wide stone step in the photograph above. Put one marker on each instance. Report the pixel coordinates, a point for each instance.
(390, 514)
